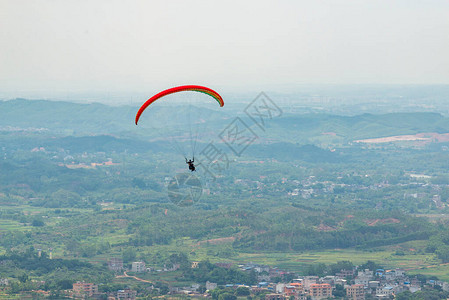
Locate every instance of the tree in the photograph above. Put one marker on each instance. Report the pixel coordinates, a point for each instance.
(129, 254)
(227, 296)
(339, 291)
(443, 253)
(242, 291)
(138, 182)
(341, 265)
(404, 295)
(65, 284)
(37, 223)
(63, 198)
(23, 278)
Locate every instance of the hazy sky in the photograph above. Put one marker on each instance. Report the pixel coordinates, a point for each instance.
(50, 46)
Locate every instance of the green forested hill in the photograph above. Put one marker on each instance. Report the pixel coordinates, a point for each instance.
(83, 119)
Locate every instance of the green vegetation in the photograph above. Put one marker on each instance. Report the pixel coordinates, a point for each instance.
(303, 203)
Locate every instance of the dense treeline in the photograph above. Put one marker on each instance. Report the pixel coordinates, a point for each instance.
(298, 234)
(276, 228)
(207, 271)
(427, 293)
(57, 273)
(30, 260)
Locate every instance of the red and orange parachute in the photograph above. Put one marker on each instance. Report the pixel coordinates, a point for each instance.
(194, 88)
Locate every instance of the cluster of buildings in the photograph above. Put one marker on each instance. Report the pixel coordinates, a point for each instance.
(84, 290)
(311, 187)
(352, 284)
(116, 264)
(300, 289)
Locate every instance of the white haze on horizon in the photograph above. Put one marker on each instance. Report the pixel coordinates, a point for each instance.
(52, 48)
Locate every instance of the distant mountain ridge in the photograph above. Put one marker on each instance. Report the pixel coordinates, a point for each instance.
(70, 118)
(67, 118)
(344, 129)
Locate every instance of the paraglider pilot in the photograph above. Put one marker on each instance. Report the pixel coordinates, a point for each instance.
(191, 165)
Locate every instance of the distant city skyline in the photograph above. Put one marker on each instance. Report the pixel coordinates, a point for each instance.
(65, 48)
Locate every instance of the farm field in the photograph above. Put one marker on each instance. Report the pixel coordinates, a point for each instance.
(389, 257)
(409, 256)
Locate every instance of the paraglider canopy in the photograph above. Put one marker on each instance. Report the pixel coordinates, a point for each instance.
(178, 137)
(194, 88)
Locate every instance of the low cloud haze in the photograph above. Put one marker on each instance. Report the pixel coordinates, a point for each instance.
(54, 48)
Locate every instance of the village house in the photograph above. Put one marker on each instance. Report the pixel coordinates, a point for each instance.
(384, 291)
(356, 292)
(115, 264)
(274, 297)
(308, 281)
(364, 277)
(389, 275)
(320, 291)
(373, 284)
(260, 269)
(138, 267)
(328, 279)
(399, 272)
(298, 286)
(289, 291)
(255, 289)
(279, 288)
(126, 294)
(84, 289)
(292, 289)
(211, 285)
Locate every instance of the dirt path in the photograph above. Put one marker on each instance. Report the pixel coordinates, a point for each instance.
(134, 277)
(428, 267)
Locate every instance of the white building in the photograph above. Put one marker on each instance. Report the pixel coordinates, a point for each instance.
(260, 269)
(328, 279)
(364, 277)
(138, 266)
(280, 288)
(308, 281)
(374, 284)
(390, 275)
(210, 286)
(384, 291)
(340, 281)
